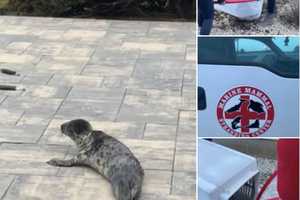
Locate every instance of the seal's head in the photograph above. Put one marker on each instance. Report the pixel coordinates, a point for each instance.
(76, 129)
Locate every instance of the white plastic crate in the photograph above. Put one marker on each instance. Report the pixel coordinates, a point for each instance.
(222, 172)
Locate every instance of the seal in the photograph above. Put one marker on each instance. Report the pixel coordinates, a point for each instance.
(105, 154)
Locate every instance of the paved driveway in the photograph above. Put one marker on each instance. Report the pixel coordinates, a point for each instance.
(133, 79)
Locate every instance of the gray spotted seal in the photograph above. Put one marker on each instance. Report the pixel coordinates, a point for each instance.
(105, 154)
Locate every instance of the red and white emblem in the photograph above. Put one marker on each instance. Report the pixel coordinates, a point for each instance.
(245, 112)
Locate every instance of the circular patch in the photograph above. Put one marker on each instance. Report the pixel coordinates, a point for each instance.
(245, 112)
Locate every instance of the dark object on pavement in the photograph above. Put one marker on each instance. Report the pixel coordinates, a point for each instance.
(9, 72)
(8, 87)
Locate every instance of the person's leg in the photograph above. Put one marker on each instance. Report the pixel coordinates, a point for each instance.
(267, 19)
(207, 12)
(206, 27)
(200, 13)
(271, 6)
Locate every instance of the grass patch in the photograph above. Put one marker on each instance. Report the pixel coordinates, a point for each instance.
(145, 9)
(3, 3)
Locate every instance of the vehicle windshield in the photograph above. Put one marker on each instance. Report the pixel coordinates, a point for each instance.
(279, 55)
(288, 45)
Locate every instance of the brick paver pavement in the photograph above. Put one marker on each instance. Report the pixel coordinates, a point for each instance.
(133, 79)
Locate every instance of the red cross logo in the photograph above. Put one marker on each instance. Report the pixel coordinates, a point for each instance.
(249, 113)
(245, 114)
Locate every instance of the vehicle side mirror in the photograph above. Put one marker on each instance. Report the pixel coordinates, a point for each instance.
(201, 99)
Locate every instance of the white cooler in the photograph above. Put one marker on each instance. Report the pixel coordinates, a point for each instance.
(224, 173)
(244, 11)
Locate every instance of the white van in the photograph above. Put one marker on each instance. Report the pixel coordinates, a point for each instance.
(248, 86)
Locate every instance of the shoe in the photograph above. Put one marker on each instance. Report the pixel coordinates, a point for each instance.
(268, 19)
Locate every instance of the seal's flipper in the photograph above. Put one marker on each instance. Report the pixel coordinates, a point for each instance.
(122, 190)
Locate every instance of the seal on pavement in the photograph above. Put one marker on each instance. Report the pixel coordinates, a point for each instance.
(105, 154)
